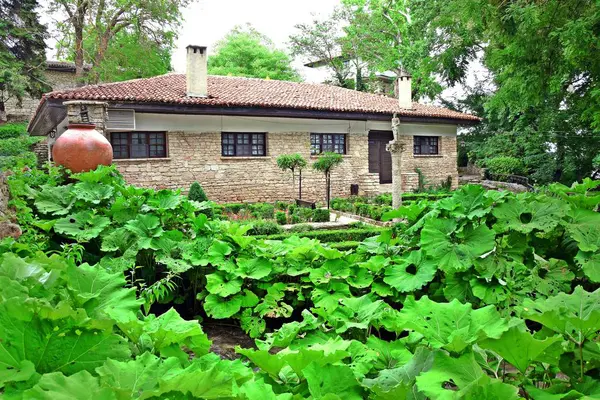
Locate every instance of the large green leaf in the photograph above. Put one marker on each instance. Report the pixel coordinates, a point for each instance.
(217, 283)
(55, 200)
(255, 268)
(130, 379)
(455, 250)
(169, 334)
(452, 326)
(102, 294)
(148, 229)
(467, 380)
(80, 386)
(54, 346)
(163, 200)
(82, 226)
(575, 315)
(330, 270)
(411, 272)
(336, 380)
(585, 229)
(524, 215)
(398, 383)
(93, 193)
(220, 307)
(519, 347)
(590, 263)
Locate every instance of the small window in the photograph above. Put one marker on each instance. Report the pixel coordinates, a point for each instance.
(243, 144)
(139, 144)
(426, 145)
(326, 142)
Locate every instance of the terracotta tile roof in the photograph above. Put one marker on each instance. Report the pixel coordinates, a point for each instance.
(251, 92)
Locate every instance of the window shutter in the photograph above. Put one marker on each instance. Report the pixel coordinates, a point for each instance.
(121, 120)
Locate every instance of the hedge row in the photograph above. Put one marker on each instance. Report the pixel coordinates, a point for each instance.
(330, 236)
(343, 246)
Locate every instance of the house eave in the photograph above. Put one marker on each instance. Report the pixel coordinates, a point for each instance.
(52, 111)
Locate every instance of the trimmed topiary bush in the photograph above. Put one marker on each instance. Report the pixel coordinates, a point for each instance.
(505, 166)
(197, 193)
(281, 217)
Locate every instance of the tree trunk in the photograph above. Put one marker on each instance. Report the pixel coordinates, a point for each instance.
(328, 188)
(300, 184)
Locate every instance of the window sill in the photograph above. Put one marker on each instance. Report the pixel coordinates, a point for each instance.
(316, 157)
(245, 157)
(127, 160)
(428, 156)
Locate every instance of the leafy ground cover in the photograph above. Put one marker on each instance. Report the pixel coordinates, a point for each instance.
(479, 295)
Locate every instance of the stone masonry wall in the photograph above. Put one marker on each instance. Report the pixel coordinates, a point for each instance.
(57, 80)
(197, 157)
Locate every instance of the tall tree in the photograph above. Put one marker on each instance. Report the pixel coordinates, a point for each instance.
(246, 52)
(396, 35)
(99, 22)
(544, 61)
(22, 52)
(324, 41)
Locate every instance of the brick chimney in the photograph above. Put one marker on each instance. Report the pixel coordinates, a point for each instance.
(196, 71)
(404, 90)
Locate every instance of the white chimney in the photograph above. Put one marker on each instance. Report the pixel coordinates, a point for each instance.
(404, 90)
(196, 75)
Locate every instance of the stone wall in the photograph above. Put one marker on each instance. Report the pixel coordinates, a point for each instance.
(57, 80)
(197, 157)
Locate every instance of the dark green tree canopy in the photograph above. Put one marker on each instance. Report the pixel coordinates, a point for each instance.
(246, 52)
(22, 51)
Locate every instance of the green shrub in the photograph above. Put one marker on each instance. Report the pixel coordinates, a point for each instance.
(262, 210)
(262, 227)
(16, 152)
(321, 215)
(281, 205)
(13, 130)
(505, 166)
(304, 214)
(233, 208)
(331, 236)
(301, 228)
(295, 219)
(197, 193)
(281, 217)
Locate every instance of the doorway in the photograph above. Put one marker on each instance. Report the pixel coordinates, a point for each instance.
(380, 160)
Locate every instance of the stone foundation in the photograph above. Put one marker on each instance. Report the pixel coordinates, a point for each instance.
(197, 157)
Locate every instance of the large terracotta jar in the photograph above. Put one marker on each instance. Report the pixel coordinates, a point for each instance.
(82, 148)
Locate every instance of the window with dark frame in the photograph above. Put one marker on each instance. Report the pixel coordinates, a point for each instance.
(234, 144)
(327, 142)
(426, 145)
(138, 144)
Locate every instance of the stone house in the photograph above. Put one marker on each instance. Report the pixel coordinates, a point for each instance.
(227, 132)
(58, 75)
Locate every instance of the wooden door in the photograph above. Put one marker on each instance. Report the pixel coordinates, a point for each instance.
(380, 160)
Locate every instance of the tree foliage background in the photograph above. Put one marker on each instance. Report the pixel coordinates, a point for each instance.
(119, 39)
(22, 51)
(246, 52)
(542, 103)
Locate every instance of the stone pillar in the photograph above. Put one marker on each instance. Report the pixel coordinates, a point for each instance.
(86, 112)
(396, 147)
